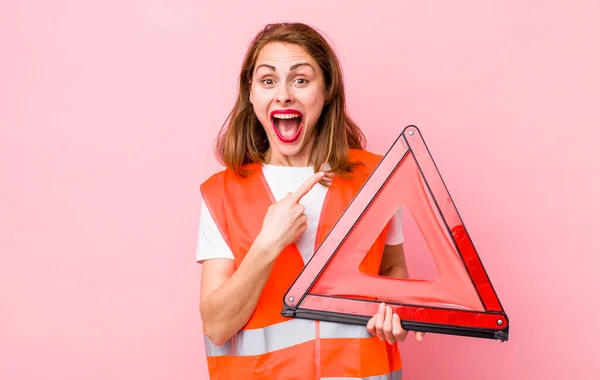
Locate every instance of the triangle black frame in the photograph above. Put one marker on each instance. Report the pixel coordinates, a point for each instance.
(488, 320)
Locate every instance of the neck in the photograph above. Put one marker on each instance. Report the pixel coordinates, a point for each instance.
(301, 159)
(278, 159)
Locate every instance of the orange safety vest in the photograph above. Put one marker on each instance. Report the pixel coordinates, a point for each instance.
(271, 346)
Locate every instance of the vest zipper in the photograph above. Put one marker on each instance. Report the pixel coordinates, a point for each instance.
(317, 350)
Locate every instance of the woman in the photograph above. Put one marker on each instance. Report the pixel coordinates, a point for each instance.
(289, 148)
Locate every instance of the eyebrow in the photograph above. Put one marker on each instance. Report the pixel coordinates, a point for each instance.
(292, 68)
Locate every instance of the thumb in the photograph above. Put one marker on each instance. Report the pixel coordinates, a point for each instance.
(371, 326)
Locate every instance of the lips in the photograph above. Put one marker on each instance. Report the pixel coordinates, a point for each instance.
(287, 124)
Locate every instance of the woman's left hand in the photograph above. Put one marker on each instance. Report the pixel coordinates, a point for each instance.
(386, 325)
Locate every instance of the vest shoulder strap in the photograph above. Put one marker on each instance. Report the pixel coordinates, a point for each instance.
(213, 191)
(368, 159)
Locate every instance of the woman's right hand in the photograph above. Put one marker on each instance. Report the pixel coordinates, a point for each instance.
(285, 220)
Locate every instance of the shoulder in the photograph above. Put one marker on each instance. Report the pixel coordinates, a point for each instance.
(214, 186)
(214, 182)
(364, 154)
(370, 160)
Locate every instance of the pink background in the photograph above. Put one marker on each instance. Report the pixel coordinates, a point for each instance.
(108, 112)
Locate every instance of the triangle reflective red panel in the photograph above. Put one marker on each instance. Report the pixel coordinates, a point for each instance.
(461, 301)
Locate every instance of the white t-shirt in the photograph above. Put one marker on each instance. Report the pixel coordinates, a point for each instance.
(282, 180)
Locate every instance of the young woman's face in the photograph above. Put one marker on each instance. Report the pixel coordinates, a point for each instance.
(287, 94)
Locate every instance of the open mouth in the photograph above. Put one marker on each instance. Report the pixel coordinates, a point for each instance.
(287, 124)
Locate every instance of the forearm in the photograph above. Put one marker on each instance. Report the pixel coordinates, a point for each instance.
(396, 271)
(393, 262)
(227, 309)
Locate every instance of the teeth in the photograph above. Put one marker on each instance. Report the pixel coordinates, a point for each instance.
(286, 115)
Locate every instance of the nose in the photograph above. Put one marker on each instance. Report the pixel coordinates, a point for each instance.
(284, 95)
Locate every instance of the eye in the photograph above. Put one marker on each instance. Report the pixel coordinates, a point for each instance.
(268, 81)
(302, 81)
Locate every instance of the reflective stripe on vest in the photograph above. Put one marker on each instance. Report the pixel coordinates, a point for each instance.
(396, 375)
(268, 339)
(282, 335)
(340, 330)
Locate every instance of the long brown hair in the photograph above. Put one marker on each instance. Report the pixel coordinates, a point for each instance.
(242, 139)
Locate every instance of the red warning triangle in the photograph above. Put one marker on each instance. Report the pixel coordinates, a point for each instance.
(460, 301)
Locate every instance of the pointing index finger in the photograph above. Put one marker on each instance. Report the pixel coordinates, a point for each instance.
(306, 186)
